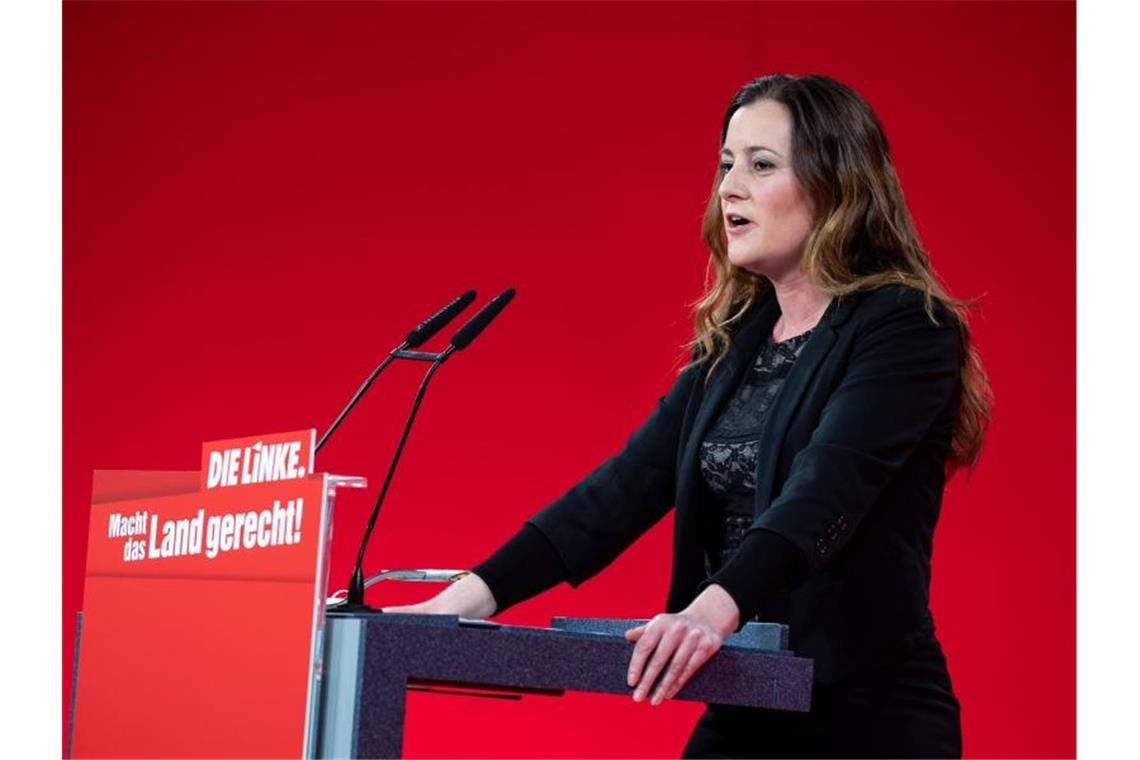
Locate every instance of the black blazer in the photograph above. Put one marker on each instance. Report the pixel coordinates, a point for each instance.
(851, 471)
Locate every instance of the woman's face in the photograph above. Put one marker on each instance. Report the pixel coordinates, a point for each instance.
(767, 216)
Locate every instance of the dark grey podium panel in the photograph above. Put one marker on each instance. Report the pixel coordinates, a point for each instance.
(371, 659)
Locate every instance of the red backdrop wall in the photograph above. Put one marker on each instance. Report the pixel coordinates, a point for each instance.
(260, 199)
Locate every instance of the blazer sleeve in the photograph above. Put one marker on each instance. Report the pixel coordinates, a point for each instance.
(903, 372)
(605, 512)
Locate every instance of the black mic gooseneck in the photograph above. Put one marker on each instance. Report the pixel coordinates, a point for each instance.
(463, 337)
(355, 598)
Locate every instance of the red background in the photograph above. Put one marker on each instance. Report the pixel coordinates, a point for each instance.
(261, 199)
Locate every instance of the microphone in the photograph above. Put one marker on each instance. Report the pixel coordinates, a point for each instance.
(419, 334)
(433, 324)
(472, 327)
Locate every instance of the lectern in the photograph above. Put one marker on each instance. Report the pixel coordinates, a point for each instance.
(372, 659)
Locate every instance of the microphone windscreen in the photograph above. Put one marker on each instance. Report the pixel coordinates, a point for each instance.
(433, 324)
(482, 318)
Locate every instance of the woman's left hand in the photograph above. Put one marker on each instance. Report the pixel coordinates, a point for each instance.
(683, 641)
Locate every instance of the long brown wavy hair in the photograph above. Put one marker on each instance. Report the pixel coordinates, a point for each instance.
(862, 234)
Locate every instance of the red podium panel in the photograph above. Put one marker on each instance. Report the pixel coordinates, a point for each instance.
(203, 604)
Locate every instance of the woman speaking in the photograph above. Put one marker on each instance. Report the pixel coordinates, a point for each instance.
(831, 391)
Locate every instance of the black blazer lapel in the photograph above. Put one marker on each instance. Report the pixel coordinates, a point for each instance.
(788, 400)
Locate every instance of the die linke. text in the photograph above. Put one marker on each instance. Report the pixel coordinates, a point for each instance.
(260, 463)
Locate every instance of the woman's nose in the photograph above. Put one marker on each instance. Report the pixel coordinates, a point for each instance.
(731, 187)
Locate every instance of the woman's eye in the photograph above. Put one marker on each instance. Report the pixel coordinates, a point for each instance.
(725, 167)
(762, 165)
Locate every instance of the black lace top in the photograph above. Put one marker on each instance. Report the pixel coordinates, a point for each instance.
(730, 450)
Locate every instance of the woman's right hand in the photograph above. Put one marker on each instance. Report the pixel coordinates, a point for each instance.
(468, 597)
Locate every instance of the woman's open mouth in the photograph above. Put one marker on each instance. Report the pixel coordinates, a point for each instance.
(735, 224)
